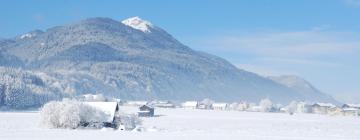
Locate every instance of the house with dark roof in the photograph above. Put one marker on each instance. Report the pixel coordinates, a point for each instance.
(146, 111)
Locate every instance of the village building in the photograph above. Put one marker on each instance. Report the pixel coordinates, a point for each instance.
(351, 112)
(335, 111)
(136, 103)
(162, 104)
(92, 98)
(303, 107)
(146, 111)
(242, 106)
(119, 101)
(190, 105)
(110, 109)
(204, 106)
(220, 106)
(255, 109)
(321, 108)
(233, 106)
(357, 106)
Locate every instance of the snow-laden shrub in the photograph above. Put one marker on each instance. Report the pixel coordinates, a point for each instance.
(69, 114)
(128, 121)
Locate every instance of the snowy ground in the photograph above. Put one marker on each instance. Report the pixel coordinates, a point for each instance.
(182, 124)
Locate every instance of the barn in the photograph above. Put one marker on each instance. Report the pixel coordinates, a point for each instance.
(146, 111)
(111, 109)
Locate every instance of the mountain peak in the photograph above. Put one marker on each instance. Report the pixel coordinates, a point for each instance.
(139, 24)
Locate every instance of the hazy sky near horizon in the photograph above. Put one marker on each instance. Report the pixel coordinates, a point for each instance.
(318, 40)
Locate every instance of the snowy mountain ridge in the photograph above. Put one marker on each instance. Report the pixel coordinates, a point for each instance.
(102, 55)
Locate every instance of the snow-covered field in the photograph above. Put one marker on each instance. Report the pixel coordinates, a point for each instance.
(182, 124)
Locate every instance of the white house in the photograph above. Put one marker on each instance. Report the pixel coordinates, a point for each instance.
(303, 107)
(357, 106)
(351, 112)
(220, 106)
(190, 105)
(335, 111)
(321, 108)
(136, 103)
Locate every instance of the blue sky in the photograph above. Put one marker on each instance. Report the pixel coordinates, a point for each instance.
(315, 39)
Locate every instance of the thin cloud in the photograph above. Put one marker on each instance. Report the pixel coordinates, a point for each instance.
(39, 18)
(353, 2)
(288, 44)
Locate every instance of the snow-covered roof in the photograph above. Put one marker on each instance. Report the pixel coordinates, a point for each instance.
(108, 108)
(219, 104)
(353, 105)
(190, 103)
(325, 104)
(138, 24)
(351, 109)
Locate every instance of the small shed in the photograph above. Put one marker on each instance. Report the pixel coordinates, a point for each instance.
(146, 111)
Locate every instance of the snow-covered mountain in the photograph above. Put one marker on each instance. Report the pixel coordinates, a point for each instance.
(132, 59)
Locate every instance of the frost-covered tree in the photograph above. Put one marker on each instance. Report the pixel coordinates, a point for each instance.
(292, 107)
(234, 106)
(266, 105)
(129, 121)
(69, 114)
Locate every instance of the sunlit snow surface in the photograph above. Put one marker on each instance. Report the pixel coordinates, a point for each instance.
(182, 124)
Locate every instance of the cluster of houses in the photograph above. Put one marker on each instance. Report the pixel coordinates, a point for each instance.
(300, 107)
(147, 108)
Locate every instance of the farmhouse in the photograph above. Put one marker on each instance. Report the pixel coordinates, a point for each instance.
(146, 111)
(335, 111)
(109, 108)
(190, 105)
(303, 107)
(351, 112)
(357, 106)
(220, 106)
(136, 103)
(321, 108)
